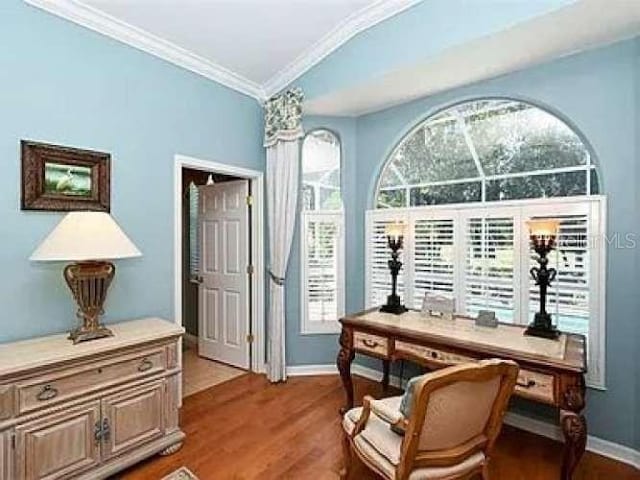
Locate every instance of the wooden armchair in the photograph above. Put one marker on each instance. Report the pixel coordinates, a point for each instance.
(455, 417)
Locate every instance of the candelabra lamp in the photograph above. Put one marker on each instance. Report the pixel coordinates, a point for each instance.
(543, 235)
(395, 233)
(89, 240)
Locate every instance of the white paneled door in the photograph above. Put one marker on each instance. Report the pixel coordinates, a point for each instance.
(224, 286)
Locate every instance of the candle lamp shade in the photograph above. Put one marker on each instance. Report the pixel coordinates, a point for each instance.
(89, 240)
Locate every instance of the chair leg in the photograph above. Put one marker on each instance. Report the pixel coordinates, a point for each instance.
(345, 473)
(485, 471)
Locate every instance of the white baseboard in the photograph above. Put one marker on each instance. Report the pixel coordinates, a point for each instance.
(597, 445)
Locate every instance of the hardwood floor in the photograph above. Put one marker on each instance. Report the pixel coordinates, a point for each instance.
(249, 429)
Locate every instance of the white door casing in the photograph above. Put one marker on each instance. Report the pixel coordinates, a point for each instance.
(224, 257)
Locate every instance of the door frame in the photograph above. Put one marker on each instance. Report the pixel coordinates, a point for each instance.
(256, 179)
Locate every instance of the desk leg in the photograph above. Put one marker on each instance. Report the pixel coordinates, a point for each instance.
(386, 364)
(574, 428)
(345, 357)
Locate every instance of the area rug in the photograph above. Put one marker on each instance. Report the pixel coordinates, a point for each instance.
(183, 473)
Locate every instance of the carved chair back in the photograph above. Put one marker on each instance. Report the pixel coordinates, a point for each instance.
(456, 412)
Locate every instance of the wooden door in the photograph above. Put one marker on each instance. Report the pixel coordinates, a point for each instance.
(59, 445)
(132, 418)
(224, 258)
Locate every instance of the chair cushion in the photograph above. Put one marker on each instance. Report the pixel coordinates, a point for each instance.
(386, 405)
(381, 463)
(350, 418)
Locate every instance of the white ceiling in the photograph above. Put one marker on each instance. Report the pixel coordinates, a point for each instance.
(258, 47)
(255, 46)
(253, 38)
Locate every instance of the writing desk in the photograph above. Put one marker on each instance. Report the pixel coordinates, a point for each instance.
(551, 371)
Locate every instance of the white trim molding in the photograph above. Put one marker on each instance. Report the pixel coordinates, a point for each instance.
(354, 24)
(257, 246)
(606, 448)
(95, 19)
(98, 21)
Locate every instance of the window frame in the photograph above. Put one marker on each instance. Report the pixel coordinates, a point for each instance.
(593, 205)
(483, 178)
(308, 326)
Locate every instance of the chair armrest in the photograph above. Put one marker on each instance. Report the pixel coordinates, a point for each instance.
(364, 416)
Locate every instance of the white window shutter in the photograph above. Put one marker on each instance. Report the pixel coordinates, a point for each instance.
(568, 296)
(433, 257)
(378, 281)
(489, 269)
(323, 272)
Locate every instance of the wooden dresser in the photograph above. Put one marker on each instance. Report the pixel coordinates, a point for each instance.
(551, 372)
(89, 410)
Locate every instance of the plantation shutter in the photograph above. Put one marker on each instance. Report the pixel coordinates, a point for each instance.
(322, 256)
(568, 297)
(378, 255)
(433, 257)
(489, 270)
(194, 243)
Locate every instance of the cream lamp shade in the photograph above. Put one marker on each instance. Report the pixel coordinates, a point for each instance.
(85, 236)
(395, 229)
(543, 228)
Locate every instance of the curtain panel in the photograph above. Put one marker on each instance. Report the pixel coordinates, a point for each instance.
(283, 130)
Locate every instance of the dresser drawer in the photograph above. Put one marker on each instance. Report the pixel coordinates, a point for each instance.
(369, 343)
(433, 355)
(536, 386)
(44, 390)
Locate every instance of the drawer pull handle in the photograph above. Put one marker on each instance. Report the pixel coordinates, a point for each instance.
(370, 343)
(145, 365)
(527, 384)
(47, 393)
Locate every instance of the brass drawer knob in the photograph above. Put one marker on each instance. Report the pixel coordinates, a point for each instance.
(145, 365)
(370, 343)
(528, 384)
(47, 393)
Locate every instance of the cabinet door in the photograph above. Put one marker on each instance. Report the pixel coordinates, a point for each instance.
(132, 418)
(59, 445)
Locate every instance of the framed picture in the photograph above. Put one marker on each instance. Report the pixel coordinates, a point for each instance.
(61, 179)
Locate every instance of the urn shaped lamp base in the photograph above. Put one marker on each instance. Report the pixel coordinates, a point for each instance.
(89, 283)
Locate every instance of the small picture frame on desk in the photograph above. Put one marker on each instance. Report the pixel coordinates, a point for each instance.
(487, 318)
(437, 305)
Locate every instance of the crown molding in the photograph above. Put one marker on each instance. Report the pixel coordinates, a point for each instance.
(354, 24)
(110, 26)
(98, 21)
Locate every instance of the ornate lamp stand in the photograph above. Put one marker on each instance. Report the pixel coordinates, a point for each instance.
(394, 240)
(543, 239)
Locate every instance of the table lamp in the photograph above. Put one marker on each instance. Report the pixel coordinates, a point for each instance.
(395, 235)
(89, 240)
(543, 235)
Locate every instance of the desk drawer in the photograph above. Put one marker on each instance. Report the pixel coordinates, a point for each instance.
(536, 386)
(433, 355)
(369, 343)
(47, 389)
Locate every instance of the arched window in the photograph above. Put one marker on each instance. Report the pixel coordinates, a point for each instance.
(465, 182)
(486, 150)
(322, 239)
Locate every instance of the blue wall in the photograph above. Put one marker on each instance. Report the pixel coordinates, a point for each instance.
(64, 84)
(417, 35)
(597, 92)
